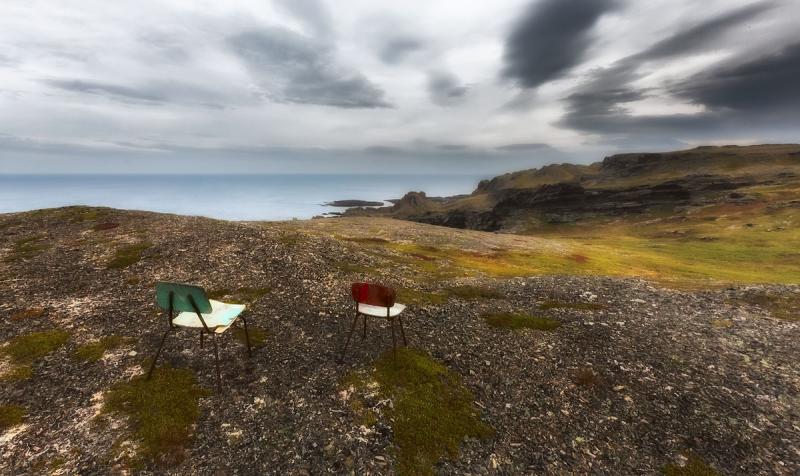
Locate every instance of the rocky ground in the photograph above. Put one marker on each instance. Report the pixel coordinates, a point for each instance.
(645, 378)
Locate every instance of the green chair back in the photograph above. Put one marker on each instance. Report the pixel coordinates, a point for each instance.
(180, 297)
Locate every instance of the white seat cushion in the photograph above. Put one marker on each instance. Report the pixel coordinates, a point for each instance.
(220, 318)
(380, 311)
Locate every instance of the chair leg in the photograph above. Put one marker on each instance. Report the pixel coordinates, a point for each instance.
(201, 338)
(402, 331)
(394, 339)
(364, 335)
(216, 363)
(247, 337)
(158, 352)
(347, 342)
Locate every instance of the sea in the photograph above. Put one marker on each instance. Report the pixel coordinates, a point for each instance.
(227, 197)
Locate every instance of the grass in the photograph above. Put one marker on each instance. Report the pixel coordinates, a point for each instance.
(128, 255)
(578, 306)
(26, 248)
(93, 351)
(162, 411)
(513, 320)
(258, 336)
(243, 295)
(473, 293)
(11, 415)
(779, 306)
(17, 373)
(432, 411)
(27, 348)
(694, 466)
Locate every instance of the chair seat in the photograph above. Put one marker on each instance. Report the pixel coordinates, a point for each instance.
(221, 317)
(380, 311)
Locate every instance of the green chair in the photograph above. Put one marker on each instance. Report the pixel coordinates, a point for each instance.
(195, 310)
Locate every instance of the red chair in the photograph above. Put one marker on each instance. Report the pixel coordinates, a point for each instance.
(377, 301)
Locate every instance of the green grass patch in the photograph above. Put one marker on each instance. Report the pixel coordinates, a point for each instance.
(474, 293)
(258, 336)
(93, 351)
(514, 320)
(578, 306)
(161, 410)
(243, 295)
(367, 240)
(694, 466)
(11, 415)
(27, 348)
(420, 298)
(17, 373)
(432, 411)
(26, 248)
(128, 255)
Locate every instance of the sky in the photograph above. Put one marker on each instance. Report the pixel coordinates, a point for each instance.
(366, 86)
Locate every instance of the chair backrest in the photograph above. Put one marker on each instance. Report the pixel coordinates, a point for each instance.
(180, 297)
(373, 294)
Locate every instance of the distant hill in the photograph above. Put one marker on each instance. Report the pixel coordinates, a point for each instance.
(618, 186)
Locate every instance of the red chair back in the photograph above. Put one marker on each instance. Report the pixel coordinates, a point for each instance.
(373, 294)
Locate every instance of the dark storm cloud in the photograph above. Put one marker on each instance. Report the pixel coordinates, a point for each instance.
(397, 49)
(764, 85)
(700, 35)
(295, 68)
(599, 105)
(550, 39)
(445, 89)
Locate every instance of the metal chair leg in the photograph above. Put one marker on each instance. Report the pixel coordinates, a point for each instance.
(216, 363)
(364, 336)
(247, 337)
(201, 338)
(158, 352)
(402, 331)
(394, 339)
(347, 342)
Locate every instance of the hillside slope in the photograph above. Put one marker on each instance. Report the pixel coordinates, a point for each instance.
(525, 360)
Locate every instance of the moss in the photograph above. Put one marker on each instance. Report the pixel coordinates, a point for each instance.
(11, 415)
(586, 377)
(94, 351)
(19, 372)
(128, 255)
(694, 466)
(25, 314)
(133, 280)
(239, 296)
(367, 240)
(432, 411)
(25, 248)
(258, 336)
(105, 226)
(513, 320)
(578, 306)
(474, 292)
(27, 348)
(780, 306)
(161, 410)
(415, 296)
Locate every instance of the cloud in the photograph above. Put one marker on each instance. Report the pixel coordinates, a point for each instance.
(312, 13)
(524, 147)
(765, 85)
(295, 68)
(445, 89)
(151, 93)
(599, 105)
(551, 38)
(396, 49)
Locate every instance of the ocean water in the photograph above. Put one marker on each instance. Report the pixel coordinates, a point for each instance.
(229, 197)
